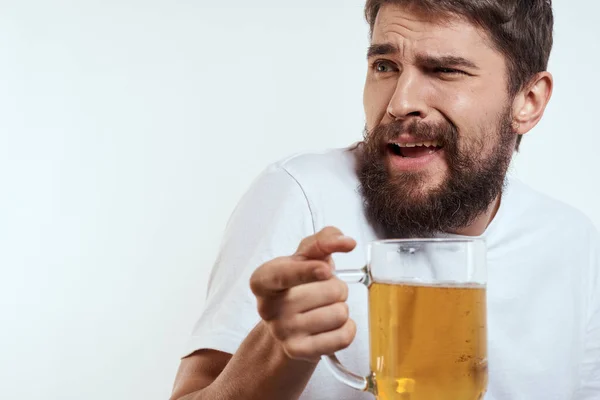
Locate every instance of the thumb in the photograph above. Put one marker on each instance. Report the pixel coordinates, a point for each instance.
(324, 243)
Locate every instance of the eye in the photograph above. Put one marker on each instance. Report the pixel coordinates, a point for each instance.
(383, 66)
(448, 71)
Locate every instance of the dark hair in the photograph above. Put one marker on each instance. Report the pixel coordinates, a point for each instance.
(520, 29)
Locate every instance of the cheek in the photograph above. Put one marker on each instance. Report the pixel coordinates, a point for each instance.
(472, 106)
(376, 98)
(473, 116)
(458, 105)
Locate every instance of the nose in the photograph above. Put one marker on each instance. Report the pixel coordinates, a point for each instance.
(408, 100)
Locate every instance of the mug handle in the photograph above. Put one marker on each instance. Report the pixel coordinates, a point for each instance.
(364, 384)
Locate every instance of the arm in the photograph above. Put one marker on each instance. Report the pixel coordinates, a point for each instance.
(304, 316)
(292, 312)
(259, 370)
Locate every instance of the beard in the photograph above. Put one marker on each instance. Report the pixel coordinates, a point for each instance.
(398, 204)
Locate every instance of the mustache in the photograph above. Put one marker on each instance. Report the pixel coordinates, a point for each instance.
(445, 133)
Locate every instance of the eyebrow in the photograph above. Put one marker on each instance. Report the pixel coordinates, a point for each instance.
(430, 61)
(382, 49)
(445, 61)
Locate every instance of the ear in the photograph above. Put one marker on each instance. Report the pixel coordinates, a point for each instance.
(530, 103)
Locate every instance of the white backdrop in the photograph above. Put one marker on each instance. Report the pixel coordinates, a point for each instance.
(128, 131)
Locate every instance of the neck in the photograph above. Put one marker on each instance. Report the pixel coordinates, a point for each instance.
(478, 227)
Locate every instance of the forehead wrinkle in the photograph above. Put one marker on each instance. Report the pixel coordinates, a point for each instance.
(408, 46)
(410, 19)
(428, 42)
(393, 26)
(398, 35)
(406, 37)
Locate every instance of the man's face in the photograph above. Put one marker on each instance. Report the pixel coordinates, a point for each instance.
(438, 133)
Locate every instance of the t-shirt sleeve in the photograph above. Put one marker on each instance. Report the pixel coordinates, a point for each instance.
(270, 221)
(590, 368)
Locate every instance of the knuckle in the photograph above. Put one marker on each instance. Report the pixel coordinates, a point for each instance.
(344, 290)
(269, 308)
(307, 272)
(281, 282)
(347, 334)
(319, 245)
(306, 240)
(259, 279)
(342, 311)
(277, 268)
(279, 261)
(317, 271)
(296, 322)
(330, 230)
(304, 243)
(338, 290)
(263, 310)
(256, 281)
(278, 280)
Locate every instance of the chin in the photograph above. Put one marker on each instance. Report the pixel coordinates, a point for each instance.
(419, 182)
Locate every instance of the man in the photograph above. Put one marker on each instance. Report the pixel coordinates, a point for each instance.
(451, 88)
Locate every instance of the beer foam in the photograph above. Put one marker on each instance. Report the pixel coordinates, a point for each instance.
(440, 284)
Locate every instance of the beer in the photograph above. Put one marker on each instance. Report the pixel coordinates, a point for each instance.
(428, 342)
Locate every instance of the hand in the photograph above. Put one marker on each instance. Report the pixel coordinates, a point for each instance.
(302, 302)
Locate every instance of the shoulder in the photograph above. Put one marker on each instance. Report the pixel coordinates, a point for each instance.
(325, 166)
(301, 177)
(531, 206)
(329, 184)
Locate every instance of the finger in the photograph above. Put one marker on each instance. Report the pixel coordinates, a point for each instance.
(314, 322)
(313, 347)
(307, 297)
(324, 243)
(302, 298)
(321, 320)
(283, 273)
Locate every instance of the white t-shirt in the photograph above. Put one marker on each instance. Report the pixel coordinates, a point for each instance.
(543, 279)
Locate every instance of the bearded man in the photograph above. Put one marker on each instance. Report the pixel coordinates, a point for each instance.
(452, 87)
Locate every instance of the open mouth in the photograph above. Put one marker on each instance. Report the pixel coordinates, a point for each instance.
(414, 150)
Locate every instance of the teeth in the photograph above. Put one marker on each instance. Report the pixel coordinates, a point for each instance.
(434, 143)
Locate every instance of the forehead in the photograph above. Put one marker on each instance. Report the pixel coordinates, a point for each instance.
(415, 31)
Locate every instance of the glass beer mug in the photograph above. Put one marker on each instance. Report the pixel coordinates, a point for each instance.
(427, 320)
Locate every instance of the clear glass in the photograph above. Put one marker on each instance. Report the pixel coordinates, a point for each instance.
(427, 320)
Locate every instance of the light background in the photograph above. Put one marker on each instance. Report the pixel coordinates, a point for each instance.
(128, 131)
